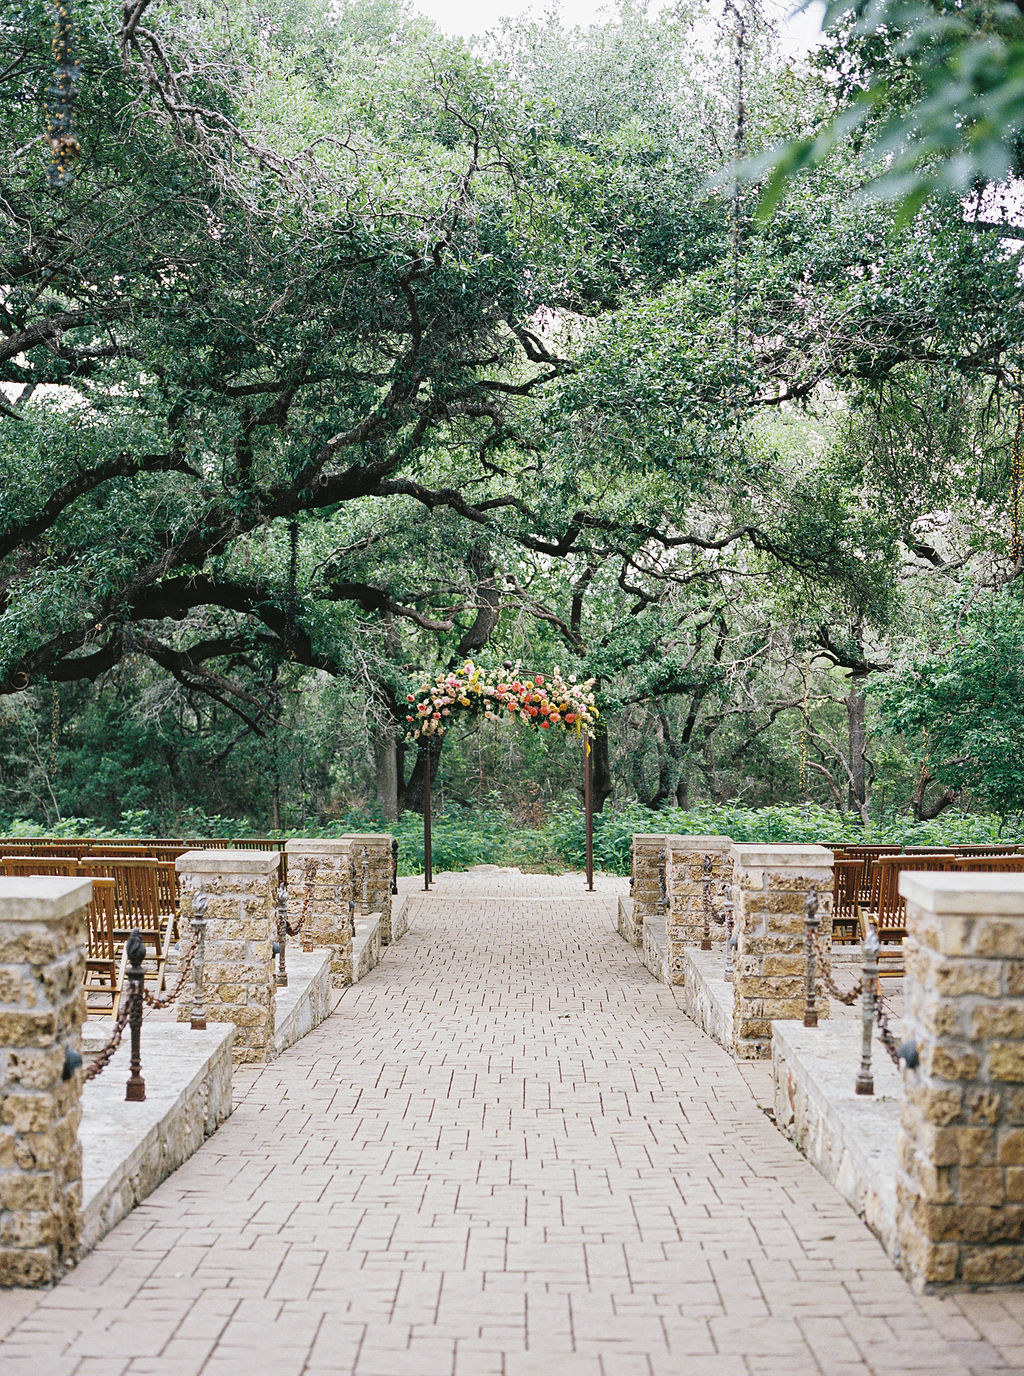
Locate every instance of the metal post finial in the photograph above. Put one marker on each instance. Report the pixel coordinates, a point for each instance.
(869, 989)
(282, 935)
(135, 949)
(705, 940)
(811, 920)
(198, 919)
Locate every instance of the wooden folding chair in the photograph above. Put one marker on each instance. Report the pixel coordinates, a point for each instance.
(990, 864)
(103, 979)
(32, 865)
(138, 905)
(846, 881)
(886, 910)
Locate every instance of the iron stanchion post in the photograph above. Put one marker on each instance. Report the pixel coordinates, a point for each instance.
(394, 864)
(730, 940)
(366, 882)
(869, 987)
(428, 859)
(705, 940)
(198, 1019)
(135, 1090)
(282, 935)
(811, 921)
(588, 808)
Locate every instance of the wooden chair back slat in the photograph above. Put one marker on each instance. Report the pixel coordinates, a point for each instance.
(28, 865)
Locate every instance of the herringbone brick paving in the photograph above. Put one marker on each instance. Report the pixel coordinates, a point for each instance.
(507, 1152)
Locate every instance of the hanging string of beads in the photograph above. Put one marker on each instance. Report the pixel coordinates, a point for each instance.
(64, 147)
(293, 563)
(1017, 487)
(739, 140)
(54, 728)
(805, 723)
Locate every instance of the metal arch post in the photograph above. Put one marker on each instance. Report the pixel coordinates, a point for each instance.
(588, 808)
(428, 858)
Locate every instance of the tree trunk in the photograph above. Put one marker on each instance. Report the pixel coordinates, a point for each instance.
(925, 812)
(385, 758)
(602, 775)
(412, 796)
(856, 717)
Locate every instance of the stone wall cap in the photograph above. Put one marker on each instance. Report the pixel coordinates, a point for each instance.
(317, 845)
(228, 862)
(981, 893)
(364, 836)
(42, 898)
(688, 842)
(790, 853)
(653, 836)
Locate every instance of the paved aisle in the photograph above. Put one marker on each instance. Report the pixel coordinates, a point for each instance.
(507, 1152)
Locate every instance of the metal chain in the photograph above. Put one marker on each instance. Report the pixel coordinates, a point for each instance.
(885, 1032)
(184, 971)
(883, 1017)
(311, 870)
(103, 1057)
(849, 996)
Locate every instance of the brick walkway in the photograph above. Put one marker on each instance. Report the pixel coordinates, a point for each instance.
(507, 1152)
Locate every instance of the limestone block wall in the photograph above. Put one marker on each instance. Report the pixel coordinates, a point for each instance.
(686, 886)
(770, 886)
(960, 1186)
(378, 876)
(239, 984)
(648, 865)
(42, 965)
(319, 875)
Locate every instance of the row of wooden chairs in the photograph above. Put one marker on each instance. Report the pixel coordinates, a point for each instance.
(126, 893)
(879, 904)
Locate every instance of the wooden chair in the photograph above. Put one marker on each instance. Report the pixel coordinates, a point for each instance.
(29, 865)
(990, 864)
(886, 910)
(102, 984)
(139, 905)
(846, 882)
(1010, 849)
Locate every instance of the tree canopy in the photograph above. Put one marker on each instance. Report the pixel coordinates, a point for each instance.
(334, 352)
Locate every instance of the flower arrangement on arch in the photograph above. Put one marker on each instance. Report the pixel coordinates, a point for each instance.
(544, 701)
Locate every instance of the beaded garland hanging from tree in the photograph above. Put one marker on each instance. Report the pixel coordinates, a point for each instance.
(535, 700)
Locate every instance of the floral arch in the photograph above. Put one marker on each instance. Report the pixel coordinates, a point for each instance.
(539, 701)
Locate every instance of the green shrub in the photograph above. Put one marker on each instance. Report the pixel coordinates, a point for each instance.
(488, 835)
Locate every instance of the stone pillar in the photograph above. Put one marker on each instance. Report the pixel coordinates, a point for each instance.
(241, 923)
(960, 1187)
(770, 886)
(42, 966)
(319, 873)
(649, 860)
(685, 885)
(378, 854)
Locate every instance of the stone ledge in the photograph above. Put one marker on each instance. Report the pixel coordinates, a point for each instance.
(399, 916)
(42, 898)
(128, 1149)
(707, 998)
(228, 862)
(367, 946)
(316, 846)
(785, 855)
(966, 895)
(627, 925)
(850, 1139)
(655, 947)
(307, 999)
